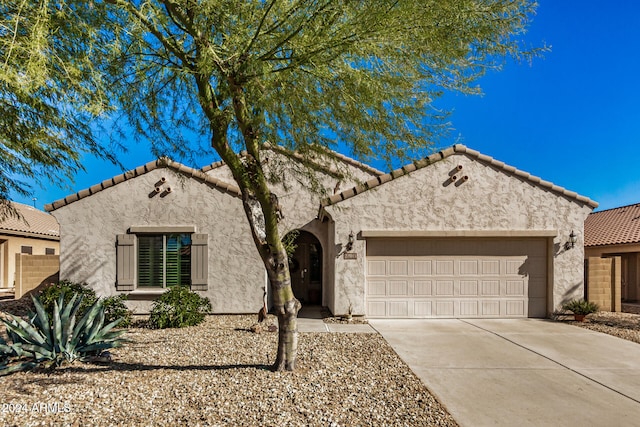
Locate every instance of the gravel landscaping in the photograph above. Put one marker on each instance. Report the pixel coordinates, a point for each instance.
(218, 374)
(621, 325)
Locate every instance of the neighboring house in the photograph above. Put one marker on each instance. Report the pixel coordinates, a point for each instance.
(30, 233)
(616, 233)
(457, 234)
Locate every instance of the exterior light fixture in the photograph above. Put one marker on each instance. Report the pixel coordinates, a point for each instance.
(573, 238)
(350, 242)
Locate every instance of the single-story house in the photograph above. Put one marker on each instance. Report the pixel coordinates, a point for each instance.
(456, 234)
(29, 245)
(616, 233)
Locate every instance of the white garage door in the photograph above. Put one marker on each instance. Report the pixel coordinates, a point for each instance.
(456, 278)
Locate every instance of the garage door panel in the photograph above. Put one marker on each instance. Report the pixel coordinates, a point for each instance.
(444, 288)
(469, 267)
(515, 288)
(398, 308)
(490, 308)
(421, 268)
(377, 288)
(456, 278)
(398, 268)
(422, 288)
(490, 288)
(376, 268)
(444, 267)
(469, 308)
(515, 308)
(514, 267)
(490, 267)
(422, 309)
(468, 288)
(377, 308)
(444, 308)
(398, 288)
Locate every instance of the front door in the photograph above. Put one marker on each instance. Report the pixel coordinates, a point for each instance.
(306, 269)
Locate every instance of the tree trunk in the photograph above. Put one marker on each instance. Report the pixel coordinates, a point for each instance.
(286, 306)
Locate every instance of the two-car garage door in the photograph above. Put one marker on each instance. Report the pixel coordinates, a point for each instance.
(456, 277)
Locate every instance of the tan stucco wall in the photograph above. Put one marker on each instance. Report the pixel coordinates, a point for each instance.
(490, 200)
(13, 246)
(88, 229)
(300, 206)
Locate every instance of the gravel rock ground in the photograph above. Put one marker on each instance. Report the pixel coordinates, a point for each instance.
(218, 374)
(621, 325)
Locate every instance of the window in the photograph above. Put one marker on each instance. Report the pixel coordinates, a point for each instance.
(49, 251)
(26, 250)
(159, 257)
(164, 260)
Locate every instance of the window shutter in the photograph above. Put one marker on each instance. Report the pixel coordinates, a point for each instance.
(199, 262)
(126, 262)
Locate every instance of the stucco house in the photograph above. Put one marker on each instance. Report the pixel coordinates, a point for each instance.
(616, 233)
(29, 246)
(457, 234)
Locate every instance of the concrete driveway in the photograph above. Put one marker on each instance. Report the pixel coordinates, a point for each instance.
(525, 372)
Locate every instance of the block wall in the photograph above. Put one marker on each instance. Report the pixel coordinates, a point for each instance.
(35, 270)
(604, 282)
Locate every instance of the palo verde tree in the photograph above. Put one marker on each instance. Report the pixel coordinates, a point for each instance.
(49, 94)
(302, 74)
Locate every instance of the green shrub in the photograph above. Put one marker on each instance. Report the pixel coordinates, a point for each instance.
(49, 341)
(51, 293)
(114, 306)
(580, 306)
(177, 308)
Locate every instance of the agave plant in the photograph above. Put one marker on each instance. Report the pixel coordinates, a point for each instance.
(49, 342)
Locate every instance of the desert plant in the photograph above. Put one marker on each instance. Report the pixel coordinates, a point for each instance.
(581, 307)
(49, 341)
(177, 308)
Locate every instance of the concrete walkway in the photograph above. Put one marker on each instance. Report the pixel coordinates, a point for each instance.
(310, 320)
(526, 372)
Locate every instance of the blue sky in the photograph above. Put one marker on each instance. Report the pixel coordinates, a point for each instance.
(572, 117)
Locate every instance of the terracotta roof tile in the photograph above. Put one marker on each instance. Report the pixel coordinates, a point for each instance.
(616, 226)
(33, 222)
(278, 149)
(141, 170)
(458, 148)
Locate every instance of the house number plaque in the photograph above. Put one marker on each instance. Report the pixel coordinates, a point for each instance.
(350, 255)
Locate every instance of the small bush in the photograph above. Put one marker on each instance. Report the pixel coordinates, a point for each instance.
(177, 308)
(50, 294)
(580, 306)
(114, 306)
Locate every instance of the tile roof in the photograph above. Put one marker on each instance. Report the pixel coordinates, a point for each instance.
(141, 170)
(292, 154)
(31, 223)
(458, 148)
(616, 226)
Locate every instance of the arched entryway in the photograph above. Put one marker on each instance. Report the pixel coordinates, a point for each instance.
(305, 266)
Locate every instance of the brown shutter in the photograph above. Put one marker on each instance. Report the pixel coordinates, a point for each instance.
(126, 262)
(199, 262)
